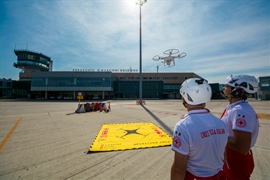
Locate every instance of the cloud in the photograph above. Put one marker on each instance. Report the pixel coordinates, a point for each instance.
(219, 37)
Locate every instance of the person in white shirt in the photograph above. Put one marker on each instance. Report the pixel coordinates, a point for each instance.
(200, 138)
(243, 126)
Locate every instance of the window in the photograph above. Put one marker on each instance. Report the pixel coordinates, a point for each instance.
(264, 84)
(8, 84)
(171, 87)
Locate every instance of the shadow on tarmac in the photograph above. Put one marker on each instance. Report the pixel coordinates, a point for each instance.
(165, 127)
(71, 114)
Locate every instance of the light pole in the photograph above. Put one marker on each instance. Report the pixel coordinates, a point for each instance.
(140, 3)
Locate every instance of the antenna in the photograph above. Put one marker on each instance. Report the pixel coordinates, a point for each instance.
(157, 68)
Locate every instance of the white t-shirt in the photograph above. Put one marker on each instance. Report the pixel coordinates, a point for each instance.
(242, 117)
(202, 137)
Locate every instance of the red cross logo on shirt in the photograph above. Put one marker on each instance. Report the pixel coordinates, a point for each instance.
(176, 141)
(241, 122)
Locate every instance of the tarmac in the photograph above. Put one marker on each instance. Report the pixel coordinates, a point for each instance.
(43, 139)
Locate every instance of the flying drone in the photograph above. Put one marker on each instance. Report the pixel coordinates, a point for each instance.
(169, 59)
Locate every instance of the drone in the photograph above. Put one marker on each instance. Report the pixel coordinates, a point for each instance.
(169, 59)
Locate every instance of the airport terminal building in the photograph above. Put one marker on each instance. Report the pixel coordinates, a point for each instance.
(107, 85)
(44, 83)
(38, 81)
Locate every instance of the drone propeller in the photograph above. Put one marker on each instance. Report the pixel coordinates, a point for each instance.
(156, 58)
(182, 55)
(171, 51)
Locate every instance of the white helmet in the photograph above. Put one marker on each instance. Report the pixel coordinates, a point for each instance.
(196, 91)
(248, 83)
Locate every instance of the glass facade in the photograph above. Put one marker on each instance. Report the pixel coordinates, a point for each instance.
(33, 64)
(130, 89)
(14, 89)
(171, 87)
(71, 81)
(264, 83)
(29, 59)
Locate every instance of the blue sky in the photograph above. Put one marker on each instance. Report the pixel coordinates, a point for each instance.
(220, 37)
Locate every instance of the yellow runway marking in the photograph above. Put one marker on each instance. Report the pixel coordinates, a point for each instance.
(5, 141)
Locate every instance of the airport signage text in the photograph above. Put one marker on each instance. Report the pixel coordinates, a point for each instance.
(106, 70)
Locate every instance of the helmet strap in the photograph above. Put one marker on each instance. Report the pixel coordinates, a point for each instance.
(184, 104)
(237, 92)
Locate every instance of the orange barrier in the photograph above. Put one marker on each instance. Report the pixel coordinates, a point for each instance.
(94, 106)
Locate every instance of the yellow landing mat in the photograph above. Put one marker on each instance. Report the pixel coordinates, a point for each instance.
(114, 137)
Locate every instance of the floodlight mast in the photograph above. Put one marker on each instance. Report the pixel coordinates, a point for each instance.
(140, 3)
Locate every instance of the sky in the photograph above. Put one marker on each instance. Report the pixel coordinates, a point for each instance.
(220, 37)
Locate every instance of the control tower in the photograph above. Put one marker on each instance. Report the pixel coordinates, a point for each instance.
(30, 61)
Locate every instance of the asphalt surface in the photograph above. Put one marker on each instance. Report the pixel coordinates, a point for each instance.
(48, 140)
